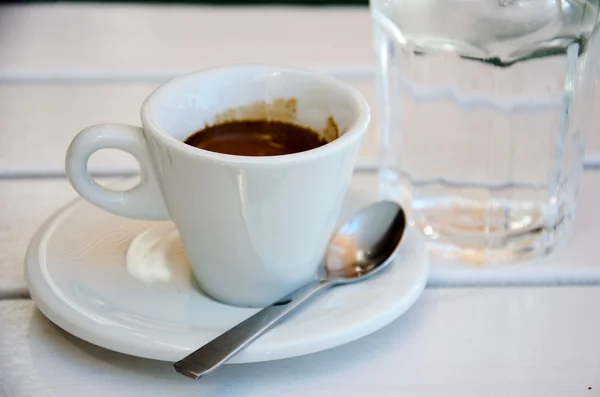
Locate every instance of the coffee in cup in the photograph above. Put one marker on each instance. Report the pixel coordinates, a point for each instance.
(256, 138)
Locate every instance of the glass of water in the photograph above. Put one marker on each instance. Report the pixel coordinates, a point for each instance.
(483, 107)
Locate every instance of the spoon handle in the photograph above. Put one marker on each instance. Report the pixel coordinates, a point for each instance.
(216, 352)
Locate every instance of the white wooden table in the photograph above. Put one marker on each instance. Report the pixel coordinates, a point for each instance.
(63, 67)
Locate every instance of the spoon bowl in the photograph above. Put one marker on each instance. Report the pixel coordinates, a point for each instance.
(366, 243)
(364, 246)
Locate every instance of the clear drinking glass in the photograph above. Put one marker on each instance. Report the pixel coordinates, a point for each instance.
(483, 108)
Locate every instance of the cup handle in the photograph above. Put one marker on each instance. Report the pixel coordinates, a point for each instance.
(145, 200)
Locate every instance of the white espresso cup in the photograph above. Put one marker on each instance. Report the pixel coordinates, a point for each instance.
(254, 228)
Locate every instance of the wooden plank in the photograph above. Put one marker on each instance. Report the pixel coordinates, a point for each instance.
(137, 41)
(39, 121)
(26, 204)
(518, 342)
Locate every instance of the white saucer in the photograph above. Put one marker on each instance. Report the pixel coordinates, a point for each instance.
(76, 269)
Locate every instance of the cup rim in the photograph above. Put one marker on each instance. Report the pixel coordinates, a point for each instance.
(355, 131)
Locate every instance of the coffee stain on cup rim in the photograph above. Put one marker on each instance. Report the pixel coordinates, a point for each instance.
(279, 109)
